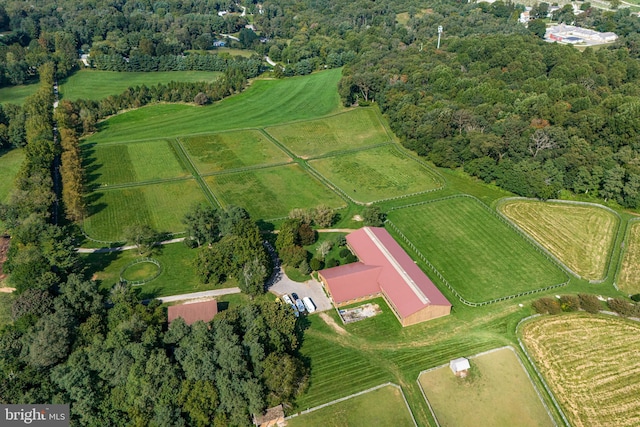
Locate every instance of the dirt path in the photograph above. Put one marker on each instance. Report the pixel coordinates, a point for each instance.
(329, 321)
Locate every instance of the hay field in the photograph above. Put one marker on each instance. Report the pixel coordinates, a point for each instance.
(496, 391)
(231, 150)
(377, 174)
(113, 164)
(580, 236)
(272, 192)
(592, 365)
(629, 277)
(161, 206)
(478, 254)
(345, 131)
(381, 407)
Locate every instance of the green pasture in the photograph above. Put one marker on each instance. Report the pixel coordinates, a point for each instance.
(477, 253)
(581, 236)
(383, 407)
(140, 271)
(231, 150)
(377, 174)
(161, 206)
(351, 129)
(628, 279)
(96, 84)
(10, 162)
(114, 164)
(272, 192)
(264, 103)
(17, 94)
(496, 391)
(177, 277)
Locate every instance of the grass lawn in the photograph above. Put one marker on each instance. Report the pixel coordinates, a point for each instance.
(629, 276)
(377, 174)
(114, 164)
(178, 274)
(264, 103)
(496, 391)
(140, 271)
(10, 162)
(96, 84)
(161, 206)
(479, 255)
(348, 130)
(592, 365)
(232, 150)
(6, 299)
(272, 192)
(581, 236)
(17, 94)
(383, 407)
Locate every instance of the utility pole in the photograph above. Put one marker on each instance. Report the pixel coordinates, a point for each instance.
(439, 33)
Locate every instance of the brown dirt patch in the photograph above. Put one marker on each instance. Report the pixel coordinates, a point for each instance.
(4, 247)
(329, 321)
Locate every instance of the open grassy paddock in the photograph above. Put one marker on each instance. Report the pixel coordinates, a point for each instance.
(377, 174)
(113, 164)
(272, 192)
(592, 365)
(232, 150)
(161, 206)
(344, 131)
(479, 255)
(628, 279)
(383, 407)
(581, 236)
(264, 103)
(496, 391)
(17, 94)
(10, 162)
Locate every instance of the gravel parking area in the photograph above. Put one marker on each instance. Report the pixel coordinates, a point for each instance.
(310, 288)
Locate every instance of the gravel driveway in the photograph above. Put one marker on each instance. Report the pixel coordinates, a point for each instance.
(310, 288)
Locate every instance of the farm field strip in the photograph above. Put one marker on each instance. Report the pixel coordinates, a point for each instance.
(580, 236)
(628, 279)
(592, 365)
(10, 163)
(377, 174)
(479, 255)
(497, 391)
(348, 130)
(272, 192)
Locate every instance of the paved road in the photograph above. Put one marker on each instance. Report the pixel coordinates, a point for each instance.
(203, 294)
(121, 248)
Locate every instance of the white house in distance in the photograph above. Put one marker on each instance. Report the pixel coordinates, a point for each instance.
(573, 35)
(460, 367)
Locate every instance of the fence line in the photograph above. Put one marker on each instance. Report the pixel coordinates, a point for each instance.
(139, 261)
(624, 249)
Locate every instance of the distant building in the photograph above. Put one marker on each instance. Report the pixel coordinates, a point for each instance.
(386, 270)
(524, 16)
(460, 367)
(222, 13)
(192, 312)
(219, 43)
(569, 34)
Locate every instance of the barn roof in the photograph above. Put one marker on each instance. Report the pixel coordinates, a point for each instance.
(192, 312)
(459, 364)
(351, 281)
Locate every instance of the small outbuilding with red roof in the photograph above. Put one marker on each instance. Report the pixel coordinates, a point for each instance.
(385, 269)
(191, 312)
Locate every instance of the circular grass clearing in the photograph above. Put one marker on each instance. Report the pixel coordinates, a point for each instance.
(141, 271)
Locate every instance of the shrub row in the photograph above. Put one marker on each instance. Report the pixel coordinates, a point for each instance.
(587, 302)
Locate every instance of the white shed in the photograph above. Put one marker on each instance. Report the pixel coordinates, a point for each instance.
(460, 367)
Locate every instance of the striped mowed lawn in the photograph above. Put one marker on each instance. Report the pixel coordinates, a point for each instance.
(344, 131)
(476, 252)
(232, 150)
(629, 277)
(10, 162)
(112, 164)
(376, 174)
(272, 192)
(581, 236)
(161, 206)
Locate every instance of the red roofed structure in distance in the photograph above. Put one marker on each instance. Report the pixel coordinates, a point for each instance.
(385, 269)
(192, 312)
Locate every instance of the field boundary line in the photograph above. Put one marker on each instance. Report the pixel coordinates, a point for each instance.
(360, 393)
(140, 183)
(246, 168)
(623, 251)
(538, 373)
(182, 153)
(277, 143)
(612, 246)
(349, 151)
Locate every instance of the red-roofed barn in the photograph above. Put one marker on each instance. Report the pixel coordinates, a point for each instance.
(385, 269)
(192, 312)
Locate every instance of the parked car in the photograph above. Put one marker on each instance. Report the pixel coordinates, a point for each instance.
(308, 304)
(286, 299)
(300, 305)
(295, 310)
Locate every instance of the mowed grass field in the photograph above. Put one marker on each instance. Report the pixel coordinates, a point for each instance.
(479, 255)
(232, 150)
(17, 94)
(96, 84)
(497, 391)
(264, 103)
(114, 164)
(629, 276)
(344, 131)
(581, 236)
(272, 192)
(592, 365)
(381, 407)
(10, 162)
(377, 174)
(161, 206)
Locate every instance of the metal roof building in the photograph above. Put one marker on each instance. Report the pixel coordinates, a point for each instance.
(192, 312)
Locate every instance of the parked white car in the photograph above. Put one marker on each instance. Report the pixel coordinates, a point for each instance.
(300, 306)
(287, 299)
(308, 304)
